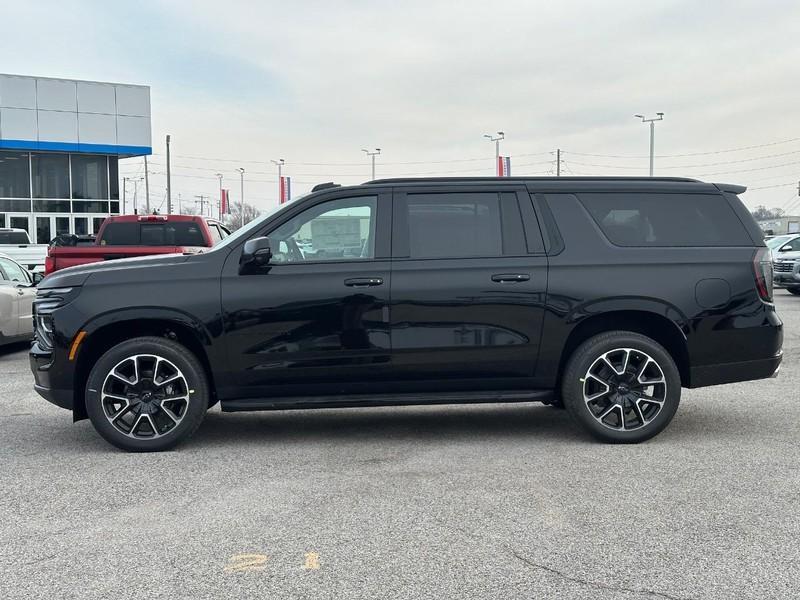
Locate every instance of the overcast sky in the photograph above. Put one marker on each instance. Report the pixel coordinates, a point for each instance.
(314, 82)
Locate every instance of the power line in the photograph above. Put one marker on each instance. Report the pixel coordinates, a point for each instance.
(691, 153)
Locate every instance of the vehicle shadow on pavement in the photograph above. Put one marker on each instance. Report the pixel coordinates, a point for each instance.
(421, 424)
(14, 348)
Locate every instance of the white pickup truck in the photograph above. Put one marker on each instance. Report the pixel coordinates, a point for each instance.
(16, 244)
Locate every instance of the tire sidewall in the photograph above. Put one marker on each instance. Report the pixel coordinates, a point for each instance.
(175, 353)
(591, 350)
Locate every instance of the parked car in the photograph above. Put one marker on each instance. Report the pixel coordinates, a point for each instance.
(605, 294)
(138, 235)
(17, 291)
(786, 262)
(787, 243)
(16, 244)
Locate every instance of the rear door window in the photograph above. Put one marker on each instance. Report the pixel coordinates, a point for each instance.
(664, 220)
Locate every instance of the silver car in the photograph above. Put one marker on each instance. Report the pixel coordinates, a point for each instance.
(17, 291)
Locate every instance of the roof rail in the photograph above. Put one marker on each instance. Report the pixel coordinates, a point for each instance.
(325, 186)
(505, 179)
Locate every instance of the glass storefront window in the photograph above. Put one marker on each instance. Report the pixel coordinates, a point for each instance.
(89, 206)
(113, 174)
(58, 206)
(15, 206)
(81, 225)
(89, 177)
(15, 176)
(50, 175)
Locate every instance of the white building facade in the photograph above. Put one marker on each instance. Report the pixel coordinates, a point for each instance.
(60, 145)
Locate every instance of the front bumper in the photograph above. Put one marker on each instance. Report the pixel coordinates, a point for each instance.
(786, 274)
(41, 367)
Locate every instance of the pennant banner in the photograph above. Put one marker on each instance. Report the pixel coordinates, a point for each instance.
(285, 190)
(503, 166)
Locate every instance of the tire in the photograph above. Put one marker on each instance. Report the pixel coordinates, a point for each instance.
(147, 394)
(622, 387)
(795, 291)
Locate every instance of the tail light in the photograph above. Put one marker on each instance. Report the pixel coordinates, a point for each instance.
(762, 270)
(49, 265)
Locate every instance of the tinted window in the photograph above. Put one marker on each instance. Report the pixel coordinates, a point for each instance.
(15, 181)
(89, 177)
(120, 234)
(666, 219)
(454, 225)
(13, 237)
(50, 175)
(342, 229)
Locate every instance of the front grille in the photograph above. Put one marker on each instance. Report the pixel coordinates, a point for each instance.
(783, 267)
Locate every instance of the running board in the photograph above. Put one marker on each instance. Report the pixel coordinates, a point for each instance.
(478, 397)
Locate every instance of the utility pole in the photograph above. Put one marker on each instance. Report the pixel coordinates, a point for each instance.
(373, 155)
(124, 189)
(659, 117)
(496, 139)
(241, 175)
(169, 186)
(219, 175)
(558, 162)
(280, 162)
(202, 204)
(146, 187)
(135, 193)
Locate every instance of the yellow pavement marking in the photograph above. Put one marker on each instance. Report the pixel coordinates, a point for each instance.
(240, 563)
(312, 561)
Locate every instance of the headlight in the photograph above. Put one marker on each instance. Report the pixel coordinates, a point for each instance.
(43, 331)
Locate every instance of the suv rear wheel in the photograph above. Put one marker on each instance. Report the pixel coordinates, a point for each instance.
(147, 394)
(623, 387)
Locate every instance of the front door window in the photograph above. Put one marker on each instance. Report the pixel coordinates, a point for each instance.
(338, 230)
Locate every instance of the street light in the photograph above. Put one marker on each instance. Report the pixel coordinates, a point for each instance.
(652, 122)
(241, 174)
(373, 155)
(220, 194)
(500, 136)
(280, 162)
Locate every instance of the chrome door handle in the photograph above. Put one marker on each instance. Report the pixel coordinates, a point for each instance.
(510, 277)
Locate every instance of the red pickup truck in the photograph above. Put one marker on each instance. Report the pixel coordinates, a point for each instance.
(140, 235)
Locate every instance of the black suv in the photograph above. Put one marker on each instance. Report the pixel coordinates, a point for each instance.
(604, 295)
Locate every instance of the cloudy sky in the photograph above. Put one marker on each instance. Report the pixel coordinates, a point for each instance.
(240, 83)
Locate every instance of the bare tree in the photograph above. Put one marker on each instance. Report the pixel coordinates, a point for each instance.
(762, 213)
(234, 220)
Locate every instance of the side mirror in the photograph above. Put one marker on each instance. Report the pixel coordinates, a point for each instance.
(37, 277)
(786, 248)
(256, 253)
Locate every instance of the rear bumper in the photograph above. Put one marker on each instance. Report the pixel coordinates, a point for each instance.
(733, 372)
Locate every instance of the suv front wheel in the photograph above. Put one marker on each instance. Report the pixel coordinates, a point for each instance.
(623, 387)
(147, 394)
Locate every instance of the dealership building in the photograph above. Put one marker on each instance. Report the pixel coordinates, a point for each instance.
(60, 144)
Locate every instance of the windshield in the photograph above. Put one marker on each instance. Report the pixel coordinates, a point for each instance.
(779, 241)
(251, 226)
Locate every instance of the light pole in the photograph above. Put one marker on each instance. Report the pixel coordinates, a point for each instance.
(652, 122)
(500, 136)
(241, 174)
(219, 175)
(136, 181)
(124, 189)
(373, 155)
(280, 162)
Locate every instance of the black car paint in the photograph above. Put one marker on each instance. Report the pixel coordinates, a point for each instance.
(297, 335)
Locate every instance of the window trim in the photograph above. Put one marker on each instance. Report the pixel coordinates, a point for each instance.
(401, 250)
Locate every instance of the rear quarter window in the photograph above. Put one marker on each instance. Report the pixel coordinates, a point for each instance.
(665, 220)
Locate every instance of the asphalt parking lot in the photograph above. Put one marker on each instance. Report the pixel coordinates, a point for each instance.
(490, 501)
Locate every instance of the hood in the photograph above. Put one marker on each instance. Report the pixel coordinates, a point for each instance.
(75, 276)
(781, 256)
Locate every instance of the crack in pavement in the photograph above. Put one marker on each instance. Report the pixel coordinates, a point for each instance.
(592, 584)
